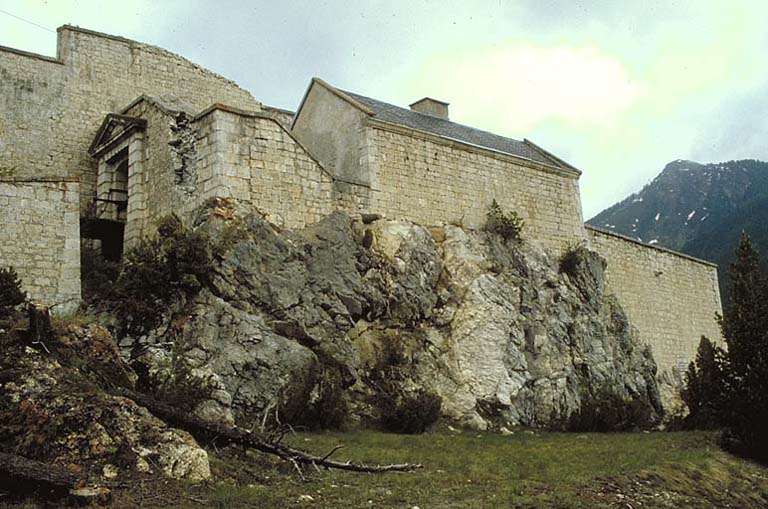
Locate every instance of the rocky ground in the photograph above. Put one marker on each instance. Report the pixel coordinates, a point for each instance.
(54, 408)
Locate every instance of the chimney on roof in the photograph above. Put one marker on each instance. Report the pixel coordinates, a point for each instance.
(432, 107)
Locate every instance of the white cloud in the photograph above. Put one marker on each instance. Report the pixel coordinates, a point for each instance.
(518, 86)
(616, 88)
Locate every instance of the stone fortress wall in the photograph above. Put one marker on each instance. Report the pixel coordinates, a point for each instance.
(402, 172)
(224, 152)
(253, 158)
(40, 238)
(671, 298)
(61, 102)
(432, 181)
(52, 109)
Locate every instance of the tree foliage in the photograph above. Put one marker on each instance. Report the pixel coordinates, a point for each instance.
(729, 388)
(745, 329)
(509, 225)
(178, 260)
(11, 293)
(705, 386)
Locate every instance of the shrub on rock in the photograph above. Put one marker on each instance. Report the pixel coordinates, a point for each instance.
(175, 262)
(410, 413)
(11, 293)
(509, 225)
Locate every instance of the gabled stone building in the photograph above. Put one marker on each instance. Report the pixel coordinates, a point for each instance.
(416, 163)
(99, 143)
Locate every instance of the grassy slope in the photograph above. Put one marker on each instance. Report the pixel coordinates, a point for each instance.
(627, 470)
(523, 470)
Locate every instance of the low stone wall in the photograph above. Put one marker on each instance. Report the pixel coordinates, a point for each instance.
(40, 238)
(671, 298)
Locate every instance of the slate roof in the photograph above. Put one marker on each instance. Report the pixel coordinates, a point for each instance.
(446, 128)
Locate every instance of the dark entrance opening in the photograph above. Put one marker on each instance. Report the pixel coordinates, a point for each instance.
(106, 220)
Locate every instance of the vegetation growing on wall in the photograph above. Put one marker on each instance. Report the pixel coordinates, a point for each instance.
(507, 224)
(570, 258)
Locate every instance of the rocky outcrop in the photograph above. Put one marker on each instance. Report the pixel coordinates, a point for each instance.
(52, 410)
(503, 333)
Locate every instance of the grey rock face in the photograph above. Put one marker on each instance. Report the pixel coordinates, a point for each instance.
(521, 343)
(491, 326)
(235, 359)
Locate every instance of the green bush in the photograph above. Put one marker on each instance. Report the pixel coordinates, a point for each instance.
(316, 404)
(508, 225)
(176, 262)
(177, 383)
(98, 277)
(11, 293)
(569, 261)
(410, 413)
(401, 411)
(605, 410)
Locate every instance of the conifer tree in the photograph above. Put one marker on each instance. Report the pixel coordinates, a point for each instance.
(11, 293)
(705, 386)
(745, 329)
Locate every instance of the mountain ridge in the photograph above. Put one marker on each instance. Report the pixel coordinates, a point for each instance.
(697, 209)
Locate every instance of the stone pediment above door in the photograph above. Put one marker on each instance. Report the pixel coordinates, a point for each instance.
(113, 131)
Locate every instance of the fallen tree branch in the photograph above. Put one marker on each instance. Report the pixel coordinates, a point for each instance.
(219, 434)
(23, 474)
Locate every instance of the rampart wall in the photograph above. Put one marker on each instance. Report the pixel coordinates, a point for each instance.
(671, 298)
(51, 110)
(40, 238)
(252, 158)
(53, 107)
(430, 180)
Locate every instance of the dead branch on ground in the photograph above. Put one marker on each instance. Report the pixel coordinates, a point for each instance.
(224, 435)
(25, 474)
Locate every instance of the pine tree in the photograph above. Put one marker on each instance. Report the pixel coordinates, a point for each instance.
(705, 386)
(745, 329)
(744, 322)
(11, 293)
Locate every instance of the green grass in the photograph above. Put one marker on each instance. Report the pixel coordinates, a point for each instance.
(486, 470)
(478, 470)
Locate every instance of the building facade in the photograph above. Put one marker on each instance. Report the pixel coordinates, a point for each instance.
(99, 143)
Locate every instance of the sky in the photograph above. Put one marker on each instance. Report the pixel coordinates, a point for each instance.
(616, 88)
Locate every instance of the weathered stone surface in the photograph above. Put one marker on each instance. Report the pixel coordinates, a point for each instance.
(672, 299)
(40, 237)
(53, 413)
(310, 285)
(491, 326)
(521, 343)
(243, 367)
